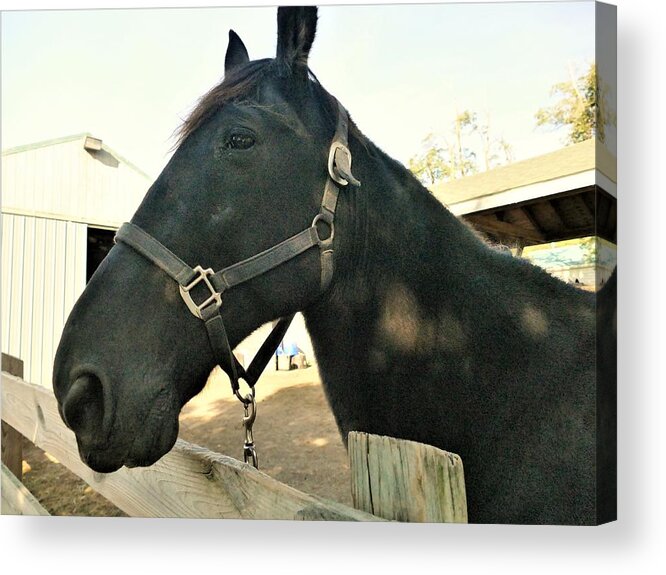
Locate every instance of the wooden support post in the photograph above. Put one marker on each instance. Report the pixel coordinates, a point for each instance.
(520, 246)
(406, 481)
(10, 439)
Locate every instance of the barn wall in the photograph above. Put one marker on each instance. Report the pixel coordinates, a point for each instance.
(63, 180)
(50, 191)
(43, 274)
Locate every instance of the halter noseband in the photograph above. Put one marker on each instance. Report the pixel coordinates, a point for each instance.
(208, 310)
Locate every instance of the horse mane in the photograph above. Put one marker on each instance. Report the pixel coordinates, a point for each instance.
(240, 84)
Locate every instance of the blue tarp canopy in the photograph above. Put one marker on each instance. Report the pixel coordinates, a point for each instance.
(288, 348)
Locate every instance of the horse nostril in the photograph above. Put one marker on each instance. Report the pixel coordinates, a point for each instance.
(83, 406)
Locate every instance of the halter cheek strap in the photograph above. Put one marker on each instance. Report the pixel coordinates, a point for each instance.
(216, 283)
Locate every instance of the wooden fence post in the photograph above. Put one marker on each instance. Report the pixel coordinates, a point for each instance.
(404, 480)
(12, 440)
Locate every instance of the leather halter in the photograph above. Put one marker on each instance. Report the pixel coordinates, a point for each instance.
(208, 310)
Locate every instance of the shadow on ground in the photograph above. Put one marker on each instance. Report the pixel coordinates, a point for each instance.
(295, 434)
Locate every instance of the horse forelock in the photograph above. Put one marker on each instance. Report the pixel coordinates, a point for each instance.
(241, 84)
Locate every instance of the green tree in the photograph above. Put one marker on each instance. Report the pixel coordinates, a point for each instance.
(495, 151)
(582, 106)
(463, 157)
(432, 164)
(456, 154)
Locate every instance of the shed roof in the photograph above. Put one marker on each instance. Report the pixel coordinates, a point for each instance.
(578, 158)
(567, 193)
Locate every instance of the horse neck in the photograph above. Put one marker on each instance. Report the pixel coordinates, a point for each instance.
(400, 256)
(391, 233)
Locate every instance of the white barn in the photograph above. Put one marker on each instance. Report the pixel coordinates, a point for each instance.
(61, 202)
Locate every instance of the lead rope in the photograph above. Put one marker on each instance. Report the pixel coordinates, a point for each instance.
(339, 170)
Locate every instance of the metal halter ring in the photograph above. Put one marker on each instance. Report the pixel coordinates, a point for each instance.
(245, 399)
(215, 297)
(328, 220)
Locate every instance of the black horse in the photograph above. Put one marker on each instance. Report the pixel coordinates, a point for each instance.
(422, 332)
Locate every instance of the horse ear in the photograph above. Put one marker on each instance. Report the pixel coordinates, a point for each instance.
(236, 53)
(297, 26)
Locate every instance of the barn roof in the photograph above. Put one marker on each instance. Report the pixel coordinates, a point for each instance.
(75, 178)
(72, 138)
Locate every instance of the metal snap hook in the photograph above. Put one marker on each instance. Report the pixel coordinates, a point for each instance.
(249, 451)
(250, 456)
(250, 409)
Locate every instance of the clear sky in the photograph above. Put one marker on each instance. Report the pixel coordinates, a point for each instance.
(130, 76)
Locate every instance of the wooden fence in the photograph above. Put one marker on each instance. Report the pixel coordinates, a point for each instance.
(391, 479)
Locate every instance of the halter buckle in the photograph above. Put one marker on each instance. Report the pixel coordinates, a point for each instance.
(339, 164)
(215, 297)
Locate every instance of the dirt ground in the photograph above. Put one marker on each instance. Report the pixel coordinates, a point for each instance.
(295, 434)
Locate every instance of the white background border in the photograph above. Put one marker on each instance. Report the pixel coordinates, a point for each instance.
(634, 544)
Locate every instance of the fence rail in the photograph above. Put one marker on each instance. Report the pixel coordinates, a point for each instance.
(15, 498)
(193, 482)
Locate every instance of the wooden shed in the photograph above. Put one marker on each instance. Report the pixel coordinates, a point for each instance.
(62, 200)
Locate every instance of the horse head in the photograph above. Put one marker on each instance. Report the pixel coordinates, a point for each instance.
(249, 171)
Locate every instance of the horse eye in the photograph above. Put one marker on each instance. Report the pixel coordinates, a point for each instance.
(240, 141)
